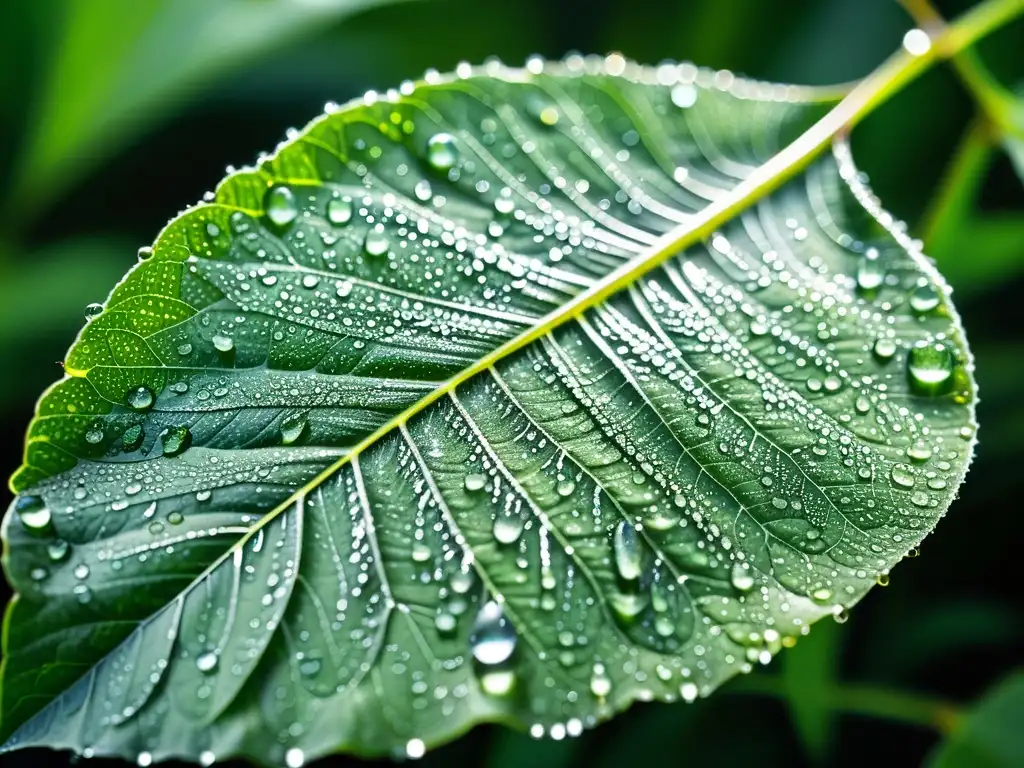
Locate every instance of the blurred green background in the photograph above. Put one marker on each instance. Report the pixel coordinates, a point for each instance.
(116, 114)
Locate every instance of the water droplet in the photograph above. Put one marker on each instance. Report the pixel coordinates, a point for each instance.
(493, 638)
(144, 760)
(132, 438)
(884, 349)
(422, 190)
(279, 203)
(175, 440)
(38, 574)
(34, 514)
(475, 482)
(930, 366)
(339, 211)
(92, 310)
(420, 552)
(58, 550)
(442, 153)
(902, 475)
(870, 271)
(292, 428)
(508, 528)
(94, 436)
(223, 343)
(376, 243)
(310, 667)
(600, 683)
(565, 487)
(498, 682)
(919, 451)
(924, 298)
(81, 571)
(628, 556)
(207, 662)
(140, 398)
(742, 577)
(145, 252)
(415, 749)
(294, 758)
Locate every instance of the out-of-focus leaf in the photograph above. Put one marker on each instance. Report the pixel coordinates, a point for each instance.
(451, 411)
(121, 65)
(928, 633)
(992, 734)
(809, 673)
(36, 332)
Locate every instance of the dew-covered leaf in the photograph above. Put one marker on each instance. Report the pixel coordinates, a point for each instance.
(410, 428)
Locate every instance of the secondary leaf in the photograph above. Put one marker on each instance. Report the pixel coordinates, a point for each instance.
(990, 736)
(403, 432)
(121, 64)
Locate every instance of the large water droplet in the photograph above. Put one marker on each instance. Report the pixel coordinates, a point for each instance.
(376, 243)
(924, 298)
(930, 366)
(132, 437)
(294, 758)
(508, 528)
(292, 428)
(92, 310)
(339, 211)
(140, 398)
(870, 271)
(628, 555)
(34, 514)
(175, 440)
(207, 662)
(884, 349)
(279, 203)
(742, 577)
(442, 153)
(475, 482)
(493, 638)
(223, 343)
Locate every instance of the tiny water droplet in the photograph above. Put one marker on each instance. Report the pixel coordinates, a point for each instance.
(493, 638)
(34, 514)
(132, 438)
(292, 428)
(884, 349)
(280, 205)
(442, 153)
(140, 398)
(508, 528)
(58, 550)
(924, 298)
(175, 440)
(930, 366)
(628, 555)
(223, 343)
(376, 243)
(475, 482)
(339, 211)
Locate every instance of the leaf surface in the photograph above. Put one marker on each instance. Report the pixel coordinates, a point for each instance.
(446, 413)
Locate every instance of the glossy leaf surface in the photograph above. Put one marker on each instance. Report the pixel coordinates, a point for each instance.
(346, 463)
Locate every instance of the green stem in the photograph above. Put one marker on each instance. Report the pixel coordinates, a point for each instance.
(992, 98)
(959, 186)
(872, 701)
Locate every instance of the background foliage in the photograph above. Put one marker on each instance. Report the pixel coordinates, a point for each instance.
(114, 114)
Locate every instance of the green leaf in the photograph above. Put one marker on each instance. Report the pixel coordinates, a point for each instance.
(507, 397)
(120, 65)
(990, 735)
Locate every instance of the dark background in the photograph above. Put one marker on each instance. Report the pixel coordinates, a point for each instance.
(97, 150)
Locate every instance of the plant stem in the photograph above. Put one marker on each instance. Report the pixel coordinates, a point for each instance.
(961, 180)
(992, 98)
(872, 701)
